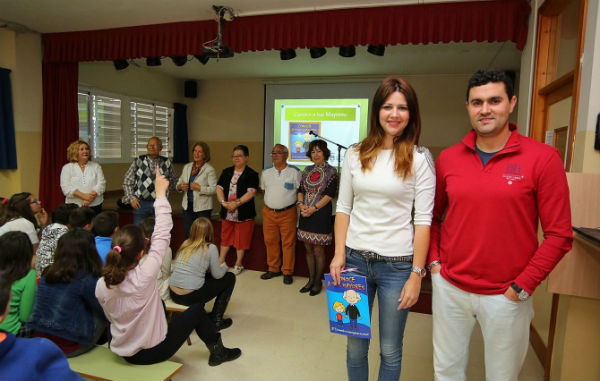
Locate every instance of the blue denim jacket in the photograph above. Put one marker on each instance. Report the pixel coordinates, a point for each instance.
(67, 310)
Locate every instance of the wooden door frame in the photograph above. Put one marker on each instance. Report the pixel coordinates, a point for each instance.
(546, 90)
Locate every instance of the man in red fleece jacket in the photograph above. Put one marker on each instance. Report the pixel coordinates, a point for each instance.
(492, 189)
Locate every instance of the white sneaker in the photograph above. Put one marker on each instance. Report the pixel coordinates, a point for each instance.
(236, 270)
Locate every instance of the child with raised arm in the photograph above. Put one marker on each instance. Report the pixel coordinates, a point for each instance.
(128, 294)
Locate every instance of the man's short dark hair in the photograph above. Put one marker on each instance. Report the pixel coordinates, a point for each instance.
(105, 223)
(482, 77)
(81, 216)
(62, 213)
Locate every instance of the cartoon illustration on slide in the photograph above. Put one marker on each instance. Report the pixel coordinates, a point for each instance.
(352, 297)
(340, 309)
(300, 138)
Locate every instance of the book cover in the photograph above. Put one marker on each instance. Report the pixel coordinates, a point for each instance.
(300, 139)
(348, 306)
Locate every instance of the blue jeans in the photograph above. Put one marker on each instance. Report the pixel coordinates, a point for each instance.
(189, 216)
(146, 210)
(387, 280)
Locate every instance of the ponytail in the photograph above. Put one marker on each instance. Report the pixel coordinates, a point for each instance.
(127, 243)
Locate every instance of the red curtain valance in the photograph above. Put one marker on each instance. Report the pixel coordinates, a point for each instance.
(504, 20)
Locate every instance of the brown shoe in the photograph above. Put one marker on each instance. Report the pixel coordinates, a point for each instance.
(288, 279)
(269, 275)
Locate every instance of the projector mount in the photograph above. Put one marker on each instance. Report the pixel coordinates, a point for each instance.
(215, 48)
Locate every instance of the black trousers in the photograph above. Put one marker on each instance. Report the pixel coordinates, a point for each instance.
(210, 289)
(194, 318)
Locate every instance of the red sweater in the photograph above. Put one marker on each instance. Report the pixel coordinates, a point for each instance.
(488, 237)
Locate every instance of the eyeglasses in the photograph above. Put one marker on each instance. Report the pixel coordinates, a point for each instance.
(237, 156)
(316, 151)
(34, 201)
(278, 153)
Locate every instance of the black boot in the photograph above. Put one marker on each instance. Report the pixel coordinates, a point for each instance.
(220, 306)
(219, 354)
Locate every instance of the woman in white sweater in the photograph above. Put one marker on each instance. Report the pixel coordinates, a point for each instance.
(382, 222)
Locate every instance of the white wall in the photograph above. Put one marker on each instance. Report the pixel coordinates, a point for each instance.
(22, 54)
(133, 81)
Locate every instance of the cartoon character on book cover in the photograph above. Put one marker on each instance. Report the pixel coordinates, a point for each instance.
(300, 138)
(352, 297)
(340, 309)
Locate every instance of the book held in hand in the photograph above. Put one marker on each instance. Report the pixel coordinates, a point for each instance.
(348, 305)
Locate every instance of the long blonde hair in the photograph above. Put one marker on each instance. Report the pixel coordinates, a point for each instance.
(201, 236)
(404, 144)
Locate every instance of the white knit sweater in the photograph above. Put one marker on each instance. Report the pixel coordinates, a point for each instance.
(380, 203)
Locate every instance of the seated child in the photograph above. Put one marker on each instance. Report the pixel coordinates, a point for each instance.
(28, 359)
(15, 259)
(147, 226)
(105, 224)
(198, 277)
(128, 293)
(82, 217)
(66, 310)
(50, 236)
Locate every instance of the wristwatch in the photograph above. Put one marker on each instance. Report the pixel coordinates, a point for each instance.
(433, 264)
(522, 294)
(419, 271)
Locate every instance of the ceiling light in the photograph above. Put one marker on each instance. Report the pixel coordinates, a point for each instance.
(202, 58)
(287, 54)
(120, 64)
(378, 50)
(153, 61)
(317, 52)
(179, 60)
(347, 51)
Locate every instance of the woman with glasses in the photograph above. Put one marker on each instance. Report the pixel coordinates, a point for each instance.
(236, 188)
(23, 212)
(384, 211)
(319, 185)
(199, 181)
(82, 180)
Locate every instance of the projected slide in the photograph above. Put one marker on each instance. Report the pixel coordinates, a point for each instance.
(297, 122)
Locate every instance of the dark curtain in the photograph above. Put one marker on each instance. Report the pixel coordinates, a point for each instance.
(60, 126)
(8, 146)
(504, 20)
(180, 134)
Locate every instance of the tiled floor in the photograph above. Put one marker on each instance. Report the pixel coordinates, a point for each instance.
(284, 335)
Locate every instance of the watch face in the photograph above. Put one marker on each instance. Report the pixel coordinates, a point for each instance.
(523, 295)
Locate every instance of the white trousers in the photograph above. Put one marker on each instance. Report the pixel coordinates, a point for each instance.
(504, 325)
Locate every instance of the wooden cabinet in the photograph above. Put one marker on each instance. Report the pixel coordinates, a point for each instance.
(578, 273)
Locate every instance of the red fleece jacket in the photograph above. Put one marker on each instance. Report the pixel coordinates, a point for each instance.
(488, 237)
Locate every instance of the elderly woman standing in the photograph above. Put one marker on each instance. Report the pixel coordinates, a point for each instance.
(199, 182)
(236, 188)
(319, 185)
(81, 179)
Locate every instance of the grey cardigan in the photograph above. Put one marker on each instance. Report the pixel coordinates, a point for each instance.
(207, 178)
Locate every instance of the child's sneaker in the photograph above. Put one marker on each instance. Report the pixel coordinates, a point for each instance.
(236, 270)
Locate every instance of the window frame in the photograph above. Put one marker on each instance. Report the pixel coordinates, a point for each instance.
(125, 122)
